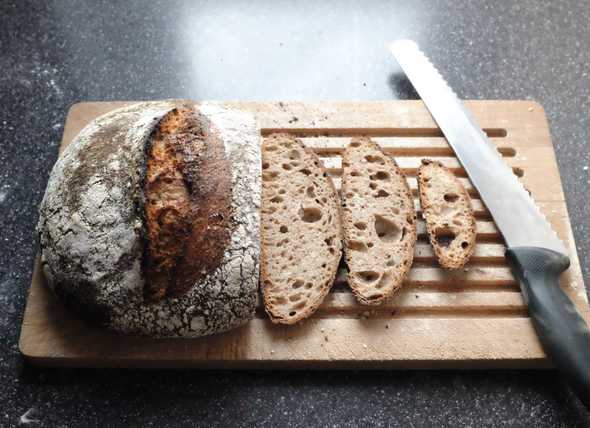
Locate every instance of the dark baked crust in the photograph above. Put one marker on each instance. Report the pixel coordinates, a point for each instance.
(167, 207)
(187, 194)
(208, 175)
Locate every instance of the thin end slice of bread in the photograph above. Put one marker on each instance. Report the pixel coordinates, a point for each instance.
(301, 230)
(379, 222)
(447, 209)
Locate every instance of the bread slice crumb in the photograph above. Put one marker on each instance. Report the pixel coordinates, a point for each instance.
(447, 209)
(379, 222)
(301, 230)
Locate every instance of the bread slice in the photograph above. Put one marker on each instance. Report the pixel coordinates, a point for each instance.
(301, 230)
(447, 209)
(379, 222)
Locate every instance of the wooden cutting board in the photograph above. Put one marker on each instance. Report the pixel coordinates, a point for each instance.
(475, 317)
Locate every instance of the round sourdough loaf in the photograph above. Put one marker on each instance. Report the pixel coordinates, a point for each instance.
(150, 220)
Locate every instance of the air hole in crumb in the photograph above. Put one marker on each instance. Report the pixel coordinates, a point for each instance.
(384, 280)
(277, 199)
(380, 175)
(382, 194)
(265, 165)
(360, 225)
(297, 284)
(308, 285)
(357, 246)
(355, 144)
(457, 222)
(395, 210)
(373, 185)
(270, 148)
(354, 173)
(367, 276)
(374, 159)
(269, 175)
(295, 297)
(294, 154)
(451, 197)
(310, 214)
(310, 192)
(284, 229)
(282, 191)
(305, 171)
(390, 263)
(292, 313)
(464, 245)
(387, 230)
(444, 237)
(286, 166)
(299, 305)
(370, 245)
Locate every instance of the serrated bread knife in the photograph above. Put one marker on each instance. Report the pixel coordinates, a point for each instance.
(536, 255)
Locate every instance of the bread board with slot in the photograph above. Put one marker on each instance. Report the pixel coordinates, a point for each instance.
(471, 318)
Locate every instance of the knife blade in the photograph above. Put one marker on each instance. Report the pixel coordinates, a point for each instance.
(514, 212)
(535, 253)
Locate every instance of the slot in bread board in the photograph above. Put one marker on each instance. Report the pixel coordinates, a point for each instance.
(471, 318)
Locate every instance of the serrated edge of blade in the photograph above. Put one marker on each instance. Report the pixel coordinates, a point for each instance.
(406, 44)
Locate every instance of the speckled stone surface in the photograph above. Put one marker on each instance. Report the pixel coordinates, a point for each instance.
(58, 53)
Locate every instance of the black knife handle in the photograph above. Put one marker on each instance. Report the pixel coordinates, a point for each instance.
(562, 331)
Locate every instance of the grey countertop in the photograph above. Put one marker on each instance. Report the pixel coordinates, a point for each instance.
(54, 54)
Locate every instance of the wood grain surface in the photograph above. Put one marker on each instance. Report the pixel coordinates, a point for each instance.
(472, 318)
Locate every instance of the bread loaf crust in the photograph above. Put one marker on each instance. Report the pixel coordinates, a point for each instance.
(92, 227)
